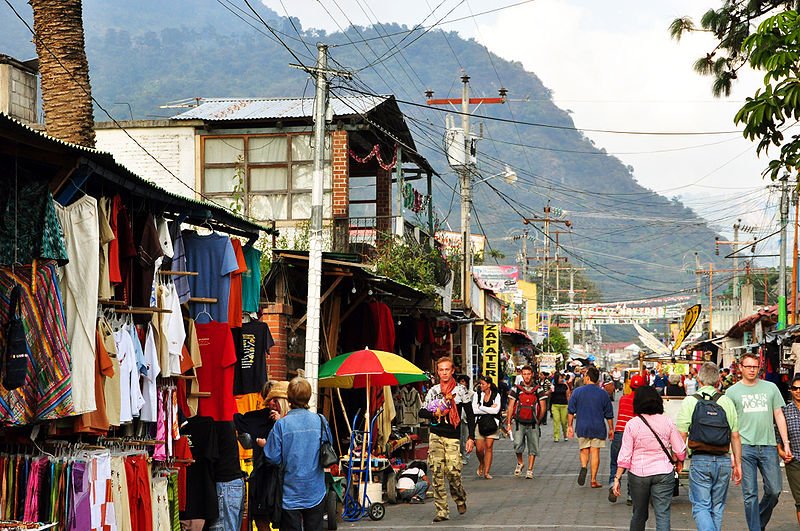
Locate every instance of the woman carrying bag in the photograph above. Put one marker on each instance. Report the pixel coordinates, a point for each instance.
(653, 452)
(486, 406)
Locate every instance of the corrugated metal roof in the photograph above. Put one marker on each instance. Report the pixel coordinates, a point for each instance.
(231, 109)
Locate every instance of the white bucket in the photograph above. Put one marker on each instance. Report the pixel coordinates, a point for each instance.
(375, 492)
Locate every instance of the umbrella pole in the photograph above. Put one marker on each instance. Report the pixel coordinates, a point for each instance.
(368, 433)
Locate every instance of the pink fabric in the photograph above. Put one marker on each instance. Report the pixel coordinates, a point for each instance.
(640, 452)
(160, 452)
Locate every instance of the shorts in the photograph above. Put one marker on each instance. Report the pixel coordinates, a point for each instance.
(591, 442)
(526, 438)
(479, 437)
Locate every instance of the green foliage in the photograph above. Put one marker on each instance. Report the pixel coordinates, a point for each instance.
(774, 48)
(238, 189)
(409, 263)
(555, 342)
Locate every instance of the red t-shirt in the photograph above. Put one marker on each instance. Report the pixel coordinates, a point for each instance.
(625, 412)
(216, 374)
(235, 300)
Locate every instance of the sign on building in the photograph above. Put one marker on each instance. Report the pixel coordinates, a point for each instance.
(491, 352)
(500, 279)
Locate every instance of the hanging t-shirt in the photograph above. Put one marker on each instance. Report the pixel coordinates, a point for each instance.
(97, 421)
(148, 252)
(253, 341)
(178, 262)
(127, 252)
(382, 317)
(104, 289)
(251, 279)
(149, 411)
(213, 258)
(201, 489)
(176, 333)
(235, 301)
(111, 388)
(216, 374)
(130, 394)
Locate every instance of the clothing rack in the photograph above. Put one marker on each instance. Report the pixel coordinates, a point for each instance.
(179, 273)
(135, 310)
(203, 300)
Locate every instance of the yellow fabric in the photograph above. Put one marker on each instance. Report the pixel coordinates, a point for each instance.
(245, 404)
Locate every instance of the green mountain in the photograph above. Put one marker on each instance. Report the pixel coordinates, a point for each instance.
(144, 54)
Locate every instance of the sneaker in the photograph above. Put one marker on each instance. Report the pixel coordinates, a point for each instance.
(518, 470)
(462, 507)
(611, 496)
(582, 476)
(416, 500)
(529, 474)
(440, 518)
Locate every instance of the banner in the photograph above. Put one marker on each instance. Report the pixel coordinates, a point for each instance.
(688, 323)
(500, 279)
(491, 352)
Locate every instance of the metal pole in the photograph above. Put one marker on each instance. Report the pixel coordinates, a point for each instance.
(782, 273)
(430, 208)
(315, 237)
(400, 228)
(794, 261)
(710, 300)
(525, 255)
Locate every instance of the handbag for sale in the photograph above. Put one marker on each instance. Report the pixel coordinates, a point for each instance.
(327, 455)
(676, 488)
(17, 352)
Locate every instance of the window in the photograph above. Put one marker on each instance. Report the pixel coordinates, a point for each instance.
(276, 174)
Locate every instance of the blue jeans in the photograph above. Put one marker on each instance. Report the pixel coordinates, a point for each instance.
(230, 497)
(765, 460)
(651, 489)
(420, 489)
(616, 444)
(709, 477)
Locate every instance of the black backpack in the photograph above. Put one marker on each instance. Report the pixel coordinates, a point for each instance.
(709, 432)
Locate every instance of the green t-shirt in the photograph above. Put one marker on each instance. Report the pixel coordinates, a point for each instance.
(251, 279)
(684, 419)
(755, 405)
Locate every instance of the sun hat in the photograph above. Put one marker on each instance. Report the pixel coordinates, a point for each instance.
(278, 390)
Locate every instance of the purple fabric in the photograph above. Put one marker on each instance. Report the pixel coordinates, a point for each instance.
(81, 510)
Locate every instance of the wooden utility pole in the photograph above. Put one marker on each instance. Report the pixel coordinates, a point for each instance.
(547, 220)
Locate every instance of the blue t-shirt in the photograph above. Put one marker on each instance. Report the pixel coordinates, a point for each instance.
(213, 258)
(660, 381)
(591, 406)
(294, 440)
(251, 279)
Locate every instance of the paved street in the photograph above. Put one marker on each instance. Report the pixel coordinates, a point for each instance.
(553, 500)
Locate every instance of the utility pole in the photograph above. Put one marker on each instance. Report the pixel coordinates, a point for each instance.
(547, 220)
(524, 238)
(464, 162)
(320, 72)
(782, 272)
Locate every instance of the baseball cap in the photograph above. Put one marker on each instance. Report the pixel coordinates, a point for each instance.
(637, 380)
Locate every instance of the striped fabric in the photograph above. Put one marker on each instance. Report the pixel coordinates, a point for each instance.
(47, 393)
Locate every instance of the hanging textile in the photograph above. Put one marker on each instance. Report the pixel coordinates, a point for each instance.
(47, 393)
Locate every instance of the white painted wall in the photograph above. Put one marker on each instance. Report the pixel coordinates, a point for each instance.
(174, 147)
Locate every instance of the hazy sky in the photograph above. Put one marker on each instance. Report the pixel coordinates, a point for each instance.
(614, 66)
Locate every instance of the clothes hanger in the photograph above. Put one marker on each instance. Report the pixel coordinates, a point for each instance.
(204, 311)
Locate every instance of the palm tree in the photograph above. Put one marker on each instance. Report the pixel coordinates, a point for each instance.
(66, 92)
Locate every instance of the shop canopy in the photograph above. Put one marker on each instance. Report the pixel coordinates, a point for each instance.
(519, 334)
(73, 169)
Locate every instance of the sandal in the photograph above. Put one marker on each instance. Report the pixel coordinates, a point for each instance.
(480, 472)
(518, 470)
(487, 476)
(596, 485)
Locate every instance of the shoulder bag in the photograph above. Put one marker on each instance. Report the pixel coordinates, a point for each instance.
(676, 488)
(17, 352)
(327, 455)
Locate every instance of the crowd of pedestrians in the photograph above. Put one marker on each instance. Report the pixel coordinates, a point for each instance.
(739, 432)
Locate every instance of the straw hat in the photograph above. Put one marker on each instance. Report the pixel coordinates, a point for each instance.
(278, 390)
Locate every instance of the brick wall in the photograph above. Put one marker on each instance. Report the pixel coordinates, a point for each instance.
(341, 174)
(277, 318)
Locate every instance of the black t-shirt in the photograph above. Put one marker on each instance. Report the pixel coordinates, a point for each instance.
(559, 396)
(226, 467)
(201, 489)
(253, 341)
(258, 424)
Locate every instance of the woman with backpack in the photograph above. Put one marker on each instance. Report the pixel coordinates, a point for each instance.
(652, 451)
(486, 406)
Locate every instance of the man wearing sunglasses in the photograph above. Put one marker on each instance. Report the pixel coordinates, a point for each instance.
(792, 413)
(759, 403)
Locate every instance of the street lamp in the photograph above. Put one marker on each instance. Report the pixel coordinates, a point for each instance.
(509, 176)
